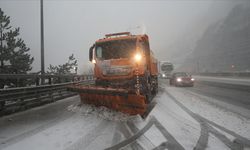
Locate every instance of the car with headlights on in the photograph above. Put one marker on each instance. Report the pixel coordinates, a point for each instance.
(181, 79)
(164, 76)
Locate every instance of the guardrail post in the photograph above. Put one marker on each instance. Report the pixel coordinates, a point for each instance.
(37, 81)
(2, 104)
(50, 81)
(51, 95)
(59, 79)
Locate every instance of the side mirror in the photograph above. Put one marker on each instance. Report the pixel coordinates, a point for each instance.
(91, 53)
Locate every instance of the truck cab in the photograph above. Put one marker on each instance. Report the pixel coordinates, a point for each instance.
(120, 58)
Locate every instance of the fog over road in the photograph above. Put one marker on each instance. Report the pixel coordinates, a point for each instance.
(73, 26)
(202, 116)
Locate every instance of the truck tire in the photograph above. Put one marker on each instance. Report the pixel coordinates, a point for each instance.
(146, 86)
(155, 86)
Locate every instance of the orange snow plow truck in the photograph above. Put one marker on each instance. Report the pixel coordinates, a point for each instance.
(125, 72)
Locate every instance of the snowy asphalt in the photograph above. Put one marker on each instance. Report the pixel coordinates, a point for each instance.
(199, 117)
(236, 96)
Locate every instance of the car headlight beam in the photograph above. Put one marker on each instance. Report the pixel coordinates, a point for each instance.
(178, 79)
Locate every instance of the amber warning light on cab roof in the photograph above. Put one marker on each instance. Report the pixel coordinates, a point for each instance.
(117, 34)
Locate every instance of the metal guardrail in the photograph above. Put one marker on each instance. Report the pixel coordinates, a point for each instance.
(20, 80)
(238, 87)
(22, 98)
(225, 74)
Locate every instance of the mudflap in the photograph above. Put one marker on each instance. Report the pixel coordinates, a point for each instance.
(117, 99)
(150, 107)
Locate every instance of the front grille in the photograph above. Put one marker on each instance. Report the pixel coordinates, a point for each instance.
(118, 70)
(186, 79)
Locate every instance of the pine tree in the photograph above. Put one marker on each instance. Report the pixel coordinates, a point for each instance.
(14, 58)
(64, 69)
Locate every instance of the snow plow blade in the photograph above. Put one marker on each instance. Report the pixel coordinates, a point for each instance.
(117, 99)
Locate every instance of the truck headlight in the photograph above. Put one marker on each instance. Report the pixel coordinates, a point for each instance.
(93, 61)
(163, 75)
(192, 79)
(178, 79)
(138, 57)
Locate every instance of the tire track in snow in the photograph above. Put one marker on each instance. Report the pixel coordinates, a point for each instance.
(219, 101)
(171, 142)
(207, 127)
(123, 128)
(143, 139)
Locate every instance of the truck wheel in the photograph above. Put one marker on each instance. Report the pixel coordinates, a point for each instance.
(146, 86)
(149, 92)
(155, 86)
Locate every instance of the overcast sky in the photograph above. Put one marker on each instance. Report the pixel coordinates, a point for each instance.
(72, 26)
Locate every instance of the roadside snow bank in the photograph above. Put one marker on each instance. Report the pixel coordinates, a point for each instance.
(101, 112)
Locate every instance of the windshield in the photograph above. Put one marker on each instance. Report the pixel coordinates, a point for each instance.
(166, 67)
(181, 74)
(115, 49)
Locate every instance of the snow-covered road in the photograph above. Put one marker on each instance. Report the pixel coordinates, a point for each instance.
(183, 118)
(228, 80)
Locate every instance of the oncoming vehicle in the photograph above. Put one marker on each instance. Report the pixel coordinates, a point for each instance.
(181, 79)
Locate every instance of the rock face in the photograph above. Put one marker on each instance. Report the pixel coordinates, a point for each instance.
(224, 46)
